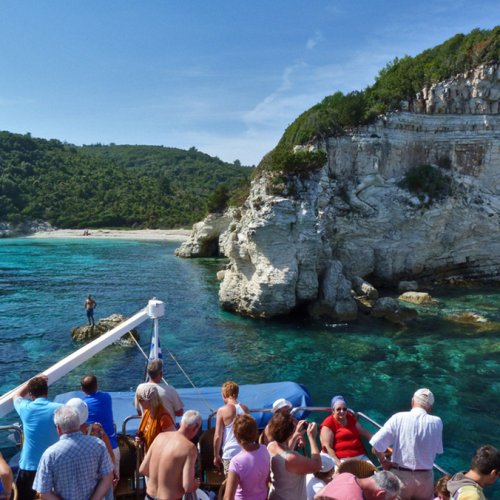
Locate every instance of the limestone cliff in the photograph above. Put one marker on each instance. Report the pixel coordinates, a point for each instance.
(303, 243)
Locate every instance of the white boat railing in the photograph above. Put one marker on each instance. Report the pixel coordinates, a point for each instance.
(154, 310)
(359, 414)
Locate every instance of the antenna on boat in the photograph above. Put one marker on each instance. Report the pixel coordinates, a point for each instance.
(156, 309)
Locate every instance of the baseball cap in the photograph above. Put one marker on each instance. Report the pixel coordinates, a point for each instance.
(281, 403)
(327, 462)
(424, 397)
(81, 408)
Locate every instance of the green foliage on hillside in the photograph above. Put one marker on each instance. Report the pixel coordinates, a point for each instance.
(399, 80)
(108, 186)
(427, 182)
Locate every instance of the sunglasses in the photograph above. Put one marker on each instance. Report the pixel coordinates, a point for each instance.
(340, 409)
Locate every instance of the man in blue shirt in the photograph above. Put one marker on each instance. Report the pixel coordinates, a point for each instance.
(36, 412)
(101, 411)
(77, 466)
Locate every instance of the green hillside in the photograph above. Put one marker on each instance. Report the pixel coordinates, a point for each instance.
(111, 186)
(399, 80)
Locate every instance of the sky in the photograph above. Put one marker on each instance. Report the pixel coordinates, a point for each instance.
(226, 77)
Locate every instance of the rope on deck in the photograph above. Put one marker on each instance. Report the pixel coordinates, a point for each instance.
(205, 402)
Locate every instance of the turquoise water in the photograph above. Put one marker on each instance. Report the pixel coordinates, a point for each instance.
(376, 366)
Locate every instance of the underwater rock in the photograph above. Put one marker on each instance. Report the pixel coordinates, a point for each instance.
(416, 297)
(86, 333)
(467, 317)
(391, 310)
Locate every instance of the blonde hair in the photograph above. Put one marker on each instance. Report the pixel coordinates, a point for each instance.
(148, 392)
(230, 389)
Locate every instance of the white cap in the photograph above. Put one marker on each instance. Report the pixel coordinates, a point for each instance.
(81, 408)
(424, 397)
(327, 462)
(281, 403)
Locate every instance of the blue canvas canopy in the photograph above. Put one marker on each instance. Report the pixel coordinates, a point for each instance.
(208, 399)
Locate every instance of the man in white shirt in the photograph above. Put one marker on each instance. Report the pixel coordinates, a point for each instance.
(415, 437)
(168, 395)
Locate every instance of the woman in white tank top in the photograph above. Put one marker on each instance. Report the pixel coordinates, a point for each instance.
(224, 435)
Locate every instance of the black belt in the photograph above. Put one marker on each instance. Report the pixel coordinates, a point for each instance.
(149, 497)
(398, 467)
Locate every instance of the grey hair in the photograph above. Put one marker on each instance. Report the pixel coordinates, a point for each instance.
(67, 419)
(155, 368)
(191, 418)
(389, 482)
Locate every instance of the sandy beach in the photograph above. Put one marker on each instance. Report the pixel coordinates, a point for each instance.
(125, 234)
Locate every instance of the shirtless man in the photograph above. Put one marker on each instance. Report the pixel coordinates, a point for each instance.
(89, 305)
(170, 461)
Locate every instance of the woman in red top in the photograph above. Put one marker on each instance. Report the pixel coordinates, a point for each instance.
(341, 434)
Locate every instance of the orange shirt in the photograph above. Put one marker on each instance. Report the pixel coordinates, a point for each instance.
(150, 427)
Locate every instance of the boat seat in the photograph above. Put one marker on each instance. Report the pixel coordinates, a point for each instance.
(210, 476)
(130, 484)
(360, 468)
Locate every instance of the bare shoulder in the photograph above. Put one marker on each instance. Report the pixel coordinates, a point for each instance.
(273, 448)
(227, 411)
(244, 408)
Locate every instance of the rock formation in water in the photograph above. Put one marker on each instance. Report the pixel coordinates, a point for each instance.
(205, 238)
(85, 333)
(357, 219)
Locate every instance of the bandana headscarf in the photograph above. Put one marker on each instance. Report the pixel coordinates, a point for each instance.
(338, 399)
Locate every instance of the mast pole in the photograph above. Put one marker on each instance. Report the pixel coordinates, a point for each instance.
(155, 309)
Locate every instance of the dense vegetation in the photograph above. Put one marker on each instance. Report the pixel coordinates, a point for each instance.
(428, 183)
(400, 80)
(111, 186)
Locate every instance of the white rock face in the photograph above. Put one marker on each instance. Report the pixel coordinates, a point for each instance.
(204, 238)
(474, 92)
(352, 219)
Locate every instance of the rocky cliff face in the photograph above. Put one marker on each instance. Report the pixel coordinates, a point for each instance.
(205, 239)
(353, 221)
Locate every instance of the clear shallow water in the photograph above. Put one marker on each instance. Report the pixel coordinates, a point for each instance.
(376, 366)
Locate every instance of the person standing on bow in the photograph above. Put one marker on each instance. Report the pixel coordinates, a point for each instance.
(341, 433)
(416, 438)
(90, 304)
(224, 434)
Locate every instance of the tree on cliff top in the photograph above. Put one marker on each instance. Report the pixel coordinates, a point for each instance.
(400, 80)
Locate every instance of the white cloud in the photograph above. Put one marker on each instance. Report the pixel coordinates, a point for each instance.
(314, 40)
